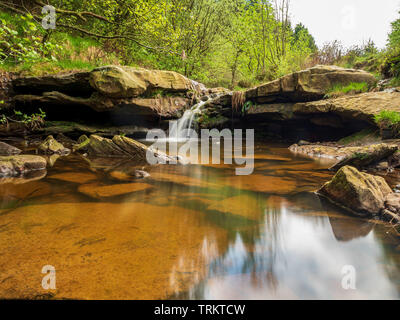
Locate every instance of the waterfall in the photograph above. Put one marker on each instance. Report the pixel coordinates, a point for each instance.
(180, 129)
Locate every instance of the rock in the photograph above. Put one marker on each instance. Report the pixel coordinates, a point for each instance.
(361, 193)
(7, 150)
(394, 160)
(382, 166)
(12, 166)
(99, 146)
(98, 192)
(82, 145)
(361, 107)
(122, 147)
(361, 157)
(274, 111)
(75, 177)
(307, 85)
(128, 174)
(127, 82)
(303, 143)
(52, 146)
(123, 90)
(392, 202)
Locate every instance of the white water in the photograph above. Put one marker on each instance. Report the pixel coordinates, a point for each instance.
(180, 130)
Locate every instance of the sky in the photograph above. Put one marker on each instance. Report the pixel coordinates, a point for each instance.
(350, 21)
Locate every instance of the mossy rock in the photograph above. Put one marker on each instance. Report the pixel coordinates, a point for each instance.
(361, 193)
(52, 146)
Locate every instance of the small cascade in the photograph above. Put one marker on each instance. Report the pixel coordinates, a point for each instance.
(180, 130)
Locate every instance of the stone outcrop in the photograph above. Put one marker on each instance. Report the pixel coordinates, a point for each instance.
(128, 82)
(361, 193)
(362, 106)
(307, 85)
(7, 150)
(52, 146)
(13, 166)
(135, 91)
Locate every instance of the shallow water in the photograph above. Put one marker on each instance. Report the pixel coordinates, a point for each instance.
(189, 232)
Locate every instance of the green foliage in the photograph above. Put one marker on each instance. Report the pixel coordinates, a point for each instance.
(351, 88)
(220, 43)
(33, 121)
(394, 36)
(390, 117)
(20, 41)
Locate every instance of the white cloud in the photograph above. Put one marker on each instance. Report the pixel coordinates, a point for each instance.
(350, 21)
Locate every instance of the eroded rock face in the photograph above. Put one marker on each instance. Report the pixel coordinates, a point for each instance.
(307, 85)
(7, 150)
(12, 166)
(359, 192)
(135, 91)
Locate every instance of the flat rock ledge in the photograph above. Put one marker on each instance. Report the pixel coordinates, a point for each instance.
(359, 157)
(14, 166)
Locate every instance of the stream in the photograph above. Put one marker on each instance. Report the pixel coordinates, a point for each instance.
(190, 232)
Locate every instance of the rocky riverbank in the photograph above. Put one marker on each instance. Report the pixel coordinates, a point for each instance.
(90, 113)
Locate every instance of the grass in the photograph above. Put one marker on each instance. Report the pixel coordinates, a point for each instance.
(352, 88)
(391, 117)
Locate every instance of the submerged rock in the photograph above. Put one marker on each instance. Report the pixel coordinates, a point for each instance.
(52, 146)
(7, 150)
(13, 166)
(98, 192)
(361, 193)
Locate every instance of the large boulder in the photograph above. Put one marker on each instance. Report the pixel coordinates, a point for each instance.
(122, 147)
(128, 82)
(307, 85)
(12, 166)
(361, 193)
(7, 150)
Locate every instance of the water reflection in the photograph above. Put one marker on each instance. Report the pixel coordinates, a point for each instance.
(189, 232)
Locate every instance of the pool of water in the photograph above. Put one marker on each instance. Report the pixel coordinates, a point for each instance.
(194, 231)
